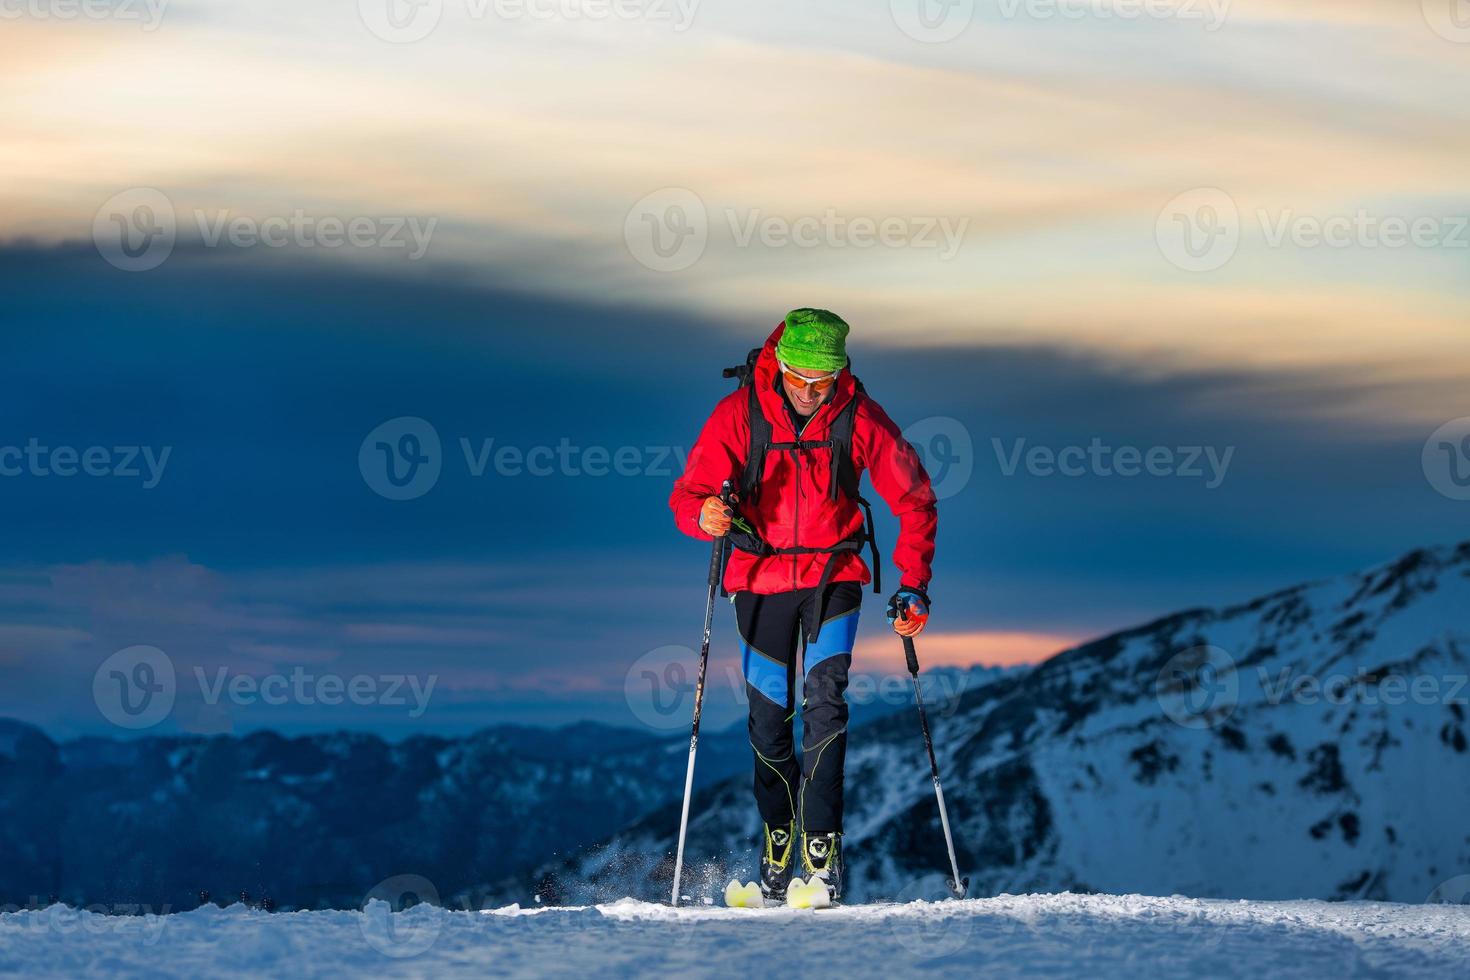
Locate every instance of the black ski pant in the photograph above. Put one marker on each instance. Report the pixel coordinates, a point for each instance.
(772, 628)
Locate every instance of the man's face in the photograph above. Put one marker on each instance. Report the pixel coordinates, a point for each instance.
(806, 399)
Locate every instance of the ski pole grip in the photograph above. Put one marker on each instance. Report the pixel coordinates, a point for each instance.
(717, 552)
(911, 655)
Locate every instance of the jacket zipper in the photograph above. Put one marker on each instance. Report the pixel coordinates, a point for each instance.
(796, 524)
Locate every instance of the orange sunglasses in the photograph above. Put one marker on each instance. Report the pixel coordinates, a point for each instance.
(816, 384)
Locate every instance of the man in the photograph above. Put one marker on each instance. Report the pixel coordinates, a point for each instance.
(795, 439)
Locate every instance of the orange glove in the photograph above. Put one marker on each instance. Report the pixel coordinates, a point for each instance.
(714, 517)
(908, 612)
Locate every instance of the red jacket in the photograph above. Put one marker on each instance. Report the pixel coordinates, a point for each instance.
(794, 507)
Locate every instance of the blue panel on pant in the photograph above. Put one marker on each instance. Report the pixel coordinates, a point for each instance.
(835, 639)
(764, 674)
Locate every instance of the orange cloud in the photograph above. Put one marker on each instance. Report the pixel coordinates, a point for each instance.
(989, 648)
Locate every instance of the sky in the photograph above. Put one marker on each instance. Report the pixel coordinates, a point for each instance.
(241, 245)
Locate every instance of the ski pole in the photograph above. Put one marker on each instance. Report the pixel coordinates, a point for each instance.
(716, 563)
(957, 885)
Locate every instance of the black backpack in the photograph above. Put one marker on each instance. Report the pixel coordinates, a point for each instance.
(845, 475)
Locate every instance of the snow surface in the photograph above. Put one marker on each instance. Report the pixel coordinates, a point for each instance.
(1031, 935)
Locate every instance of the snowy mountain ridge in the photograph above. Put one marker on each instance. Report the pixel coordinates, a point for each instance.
(1311, 743)
(318, 820)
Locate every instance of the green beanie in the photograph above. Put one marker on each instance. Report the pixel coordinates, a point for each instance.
(814, 340)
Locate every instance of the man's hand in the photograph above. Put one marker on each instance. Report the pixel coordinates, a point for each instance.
(908, 611)
(715, 517)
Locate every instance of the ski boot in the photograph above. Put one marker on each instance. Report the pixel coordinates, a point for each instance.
(821, 859)
(776, 862)
(775, 872)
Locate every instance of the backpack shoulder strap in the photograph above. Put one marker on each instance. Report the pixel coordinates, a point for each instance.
(841, 435)
(755, 454)
(845, 478)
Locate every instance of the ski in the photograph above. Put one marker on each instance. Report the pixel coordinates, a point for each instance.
(747, 896)
(809, 894)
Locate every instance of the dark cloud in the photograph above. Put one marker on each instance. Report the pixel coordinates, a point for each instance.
(263, 379)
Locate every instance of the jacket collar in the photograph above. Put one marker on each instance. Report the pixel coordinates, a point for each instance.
(773, 402)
